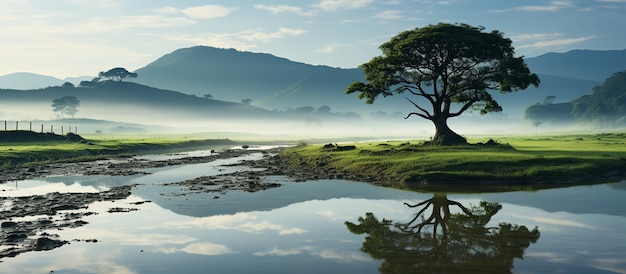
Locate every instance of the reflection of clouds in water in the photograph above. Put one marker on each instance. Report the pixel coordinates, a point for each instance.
(551, 256)
(244, 222)
(617, 265)
(200, 248)
(330, 254)
(40, 187)
(265, 225)
(77, 259)
(554, 222)
(209, 249)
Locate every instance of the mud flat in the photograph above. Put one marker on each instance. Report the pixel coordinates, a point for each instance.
(28, 223)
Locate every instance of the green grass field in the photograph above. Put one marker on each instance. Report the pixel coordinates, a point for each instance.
(94, 147)
(513, 163)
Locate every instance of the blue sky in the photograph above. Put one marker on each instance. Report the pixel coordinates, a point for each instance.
(82, 37)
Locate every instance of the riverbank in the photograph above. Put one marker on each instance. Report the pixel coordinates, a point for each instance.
(509, 163)
(20, 149)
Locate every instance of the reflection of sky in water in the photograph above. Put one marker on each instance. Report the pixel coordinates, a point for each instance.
(299, 228)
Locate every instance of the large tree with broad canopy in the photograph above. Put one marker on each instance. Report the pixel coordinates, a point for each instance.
(443, 65)
(117, 74)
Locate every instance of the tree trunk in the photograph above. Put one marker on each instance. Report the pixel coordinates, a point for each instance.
(444, 136)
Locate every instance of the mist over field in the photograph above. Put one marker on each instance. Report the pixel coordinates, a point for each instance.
(189, 91)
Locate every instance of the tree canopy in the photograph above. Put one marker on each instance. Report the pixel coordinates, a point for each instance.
(66, 105)
(117, 74)
(446, 69)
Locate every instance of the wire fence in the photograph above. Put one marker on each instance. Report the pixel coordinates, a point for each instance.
(22, 125)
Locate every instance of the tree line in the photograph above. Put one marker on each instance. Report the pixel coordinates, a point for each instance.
(605, 106)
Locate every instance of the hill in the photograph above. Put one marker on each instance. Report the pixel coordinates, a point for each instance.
(590, 65)
(27, 80)
(604, 107)
(130, 102)
(276, 83)
(268, 81)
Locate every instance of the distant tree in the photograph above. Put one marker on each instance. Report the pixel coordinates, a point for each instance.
(549, 100)
(67, 85)
(323, 109)
(537, 124)
(246, 101)
(117, 74)
(85, 84)
(445, 64)
(208, 96)
(305, 109)
(66, 105)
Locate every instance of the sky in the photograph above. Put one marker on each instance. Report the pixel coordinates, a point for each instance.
(69, 38)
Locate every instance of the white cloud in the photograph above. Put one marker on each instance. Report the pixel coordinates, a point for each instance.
(552, 6)
(390, 15)
(556, 42)
(266, 37)
(335, 5)
(534, 36)
(326, 49)
(207, 11)
(285, 8)
(199, 12)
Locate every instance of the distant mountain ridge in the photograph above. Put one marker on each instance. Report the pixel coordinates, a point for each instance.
(269, 81)
(130, 102)
(591, 65)
(27, 80)
(276, 83)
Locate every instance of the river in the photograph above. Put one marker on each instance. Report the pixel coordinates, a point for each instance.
(327, 226)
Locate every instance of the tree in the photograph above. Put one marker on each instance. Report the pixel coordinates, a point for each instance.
(66, 105)
(441, 65)
(537, 124)
(67, 85)
(117, 74)
(549, 100)
(464, 244)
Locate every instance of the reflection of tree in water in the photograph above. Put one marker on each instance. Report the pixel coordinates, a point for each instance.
(464, 245)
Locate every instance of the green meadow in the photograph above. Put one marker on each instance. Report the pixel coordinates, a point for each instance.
(506, 163)
(488, 164)
(95, 147)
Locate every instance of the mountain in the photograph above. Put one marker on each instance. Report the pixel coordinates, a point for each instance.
(268, 81)
(276, 83)
(591, 65)
(130, 102)
(27, 80)
(604, 107)
(288, 88)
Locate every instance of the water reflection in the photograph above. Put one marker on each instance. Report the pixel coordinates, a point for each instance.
(436, 240)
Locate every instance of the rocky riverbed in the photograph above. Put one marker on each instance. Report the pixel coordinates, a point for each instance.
(28, 223)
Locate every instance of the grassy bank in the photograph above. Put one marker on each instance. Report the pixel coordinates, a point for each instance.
(510, 163)
(27, 148)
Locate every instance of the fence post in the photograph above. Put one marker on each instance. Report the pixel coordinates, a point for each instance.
(5, 125)
(30, 124)
(61, 130)
(17, 123)
(51, 128)
(41, 128)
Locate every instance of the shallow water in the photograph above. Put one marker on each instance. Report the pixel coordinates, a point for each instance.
(300, 228)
